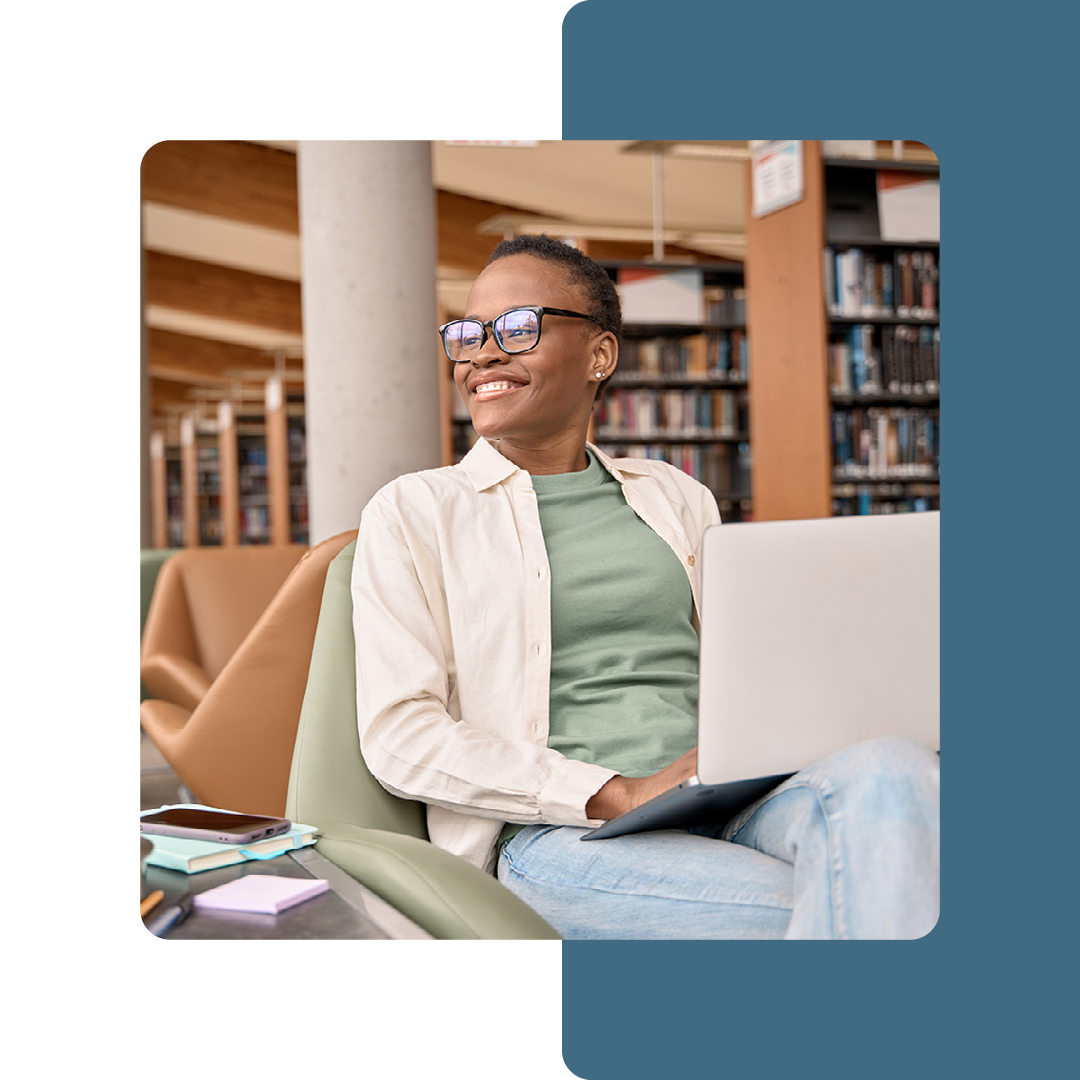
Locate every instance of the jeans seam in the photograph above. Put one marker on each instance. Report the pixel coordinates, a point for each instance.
(521, 875)
(821, 794)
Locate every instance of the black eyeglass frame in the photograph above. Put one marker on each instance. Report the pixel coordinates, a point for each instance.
(539, 312)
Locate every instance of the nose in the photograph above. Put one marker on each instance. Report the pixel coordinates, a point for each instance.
(488, 353)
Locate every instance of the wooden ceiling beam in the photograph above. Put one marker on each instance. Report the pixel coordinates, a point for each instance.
(222, 292)
(188, 358)
(235, 180)
(166, 396)
(462, 247)
(169, 396)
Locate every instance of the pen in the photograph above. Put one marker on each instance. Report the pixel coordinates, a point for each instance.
(170, 916)
(150, 903)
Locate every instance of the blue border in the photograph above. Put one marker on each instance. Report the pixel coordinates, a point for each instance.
(983, 93)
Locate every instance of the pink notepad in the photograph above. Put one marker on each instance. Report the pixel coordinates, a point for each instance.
(264, 893)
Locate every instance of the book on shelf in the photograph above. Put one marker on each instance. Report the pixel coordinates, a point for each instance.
(893, 359)
(861, 284)
(724, 305)
(195, 856)
(713, 354)
(724, 468)
(690, 412)
(878, 442)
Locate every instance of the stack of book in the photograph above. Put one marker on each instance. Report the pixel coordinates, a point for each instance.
(892, 359)
(195, 856)
(885, 443)
(862, 284)
(724, 468)
(674, 412)
(716, 354)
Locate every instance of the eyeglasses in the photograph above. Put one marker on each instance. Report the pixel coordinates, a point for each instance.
(515, 331)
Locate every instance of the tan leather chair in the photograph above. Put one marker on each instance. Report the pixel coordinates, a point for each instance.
(232, 745)
(205, 601)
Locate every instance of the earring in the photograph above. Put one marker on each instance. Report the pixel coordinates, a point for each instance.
(599, 374)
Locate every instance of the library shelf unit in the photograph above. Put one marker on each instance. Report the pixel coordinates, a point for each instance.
(884, 344)
(845, 410)
(679, 392)
(208, 486)
(239, 479)
(298, 498)
(174, 498)
(681, 389)
(254, 498)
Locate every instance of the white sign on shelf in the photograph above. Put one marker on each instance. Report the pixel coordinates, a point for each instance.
(776, 170)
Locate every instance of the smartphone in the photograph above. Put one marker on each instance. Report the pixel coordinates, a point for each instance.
(221, 826)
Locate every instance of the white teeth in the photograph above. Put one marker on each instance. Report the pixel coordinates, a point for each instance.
(491, 387)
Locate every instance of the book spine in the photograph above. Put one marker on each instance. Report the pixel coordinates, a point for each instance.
(902, 283)
(829, 271)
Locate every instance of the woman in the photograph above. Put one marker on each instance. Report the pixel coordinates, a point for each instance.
(526, 626)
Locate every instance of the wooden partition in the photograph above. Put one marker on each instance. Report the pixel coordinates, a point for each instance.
(788, 334)
(277, 462)
(189, 465)
(159, 492)
(229, 475)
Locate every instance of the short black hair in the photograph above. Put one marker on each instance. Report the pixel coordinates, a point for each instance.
(603, 298)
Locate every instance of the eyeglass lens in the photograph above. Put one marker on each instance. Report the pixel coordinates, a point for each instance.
(515, 331)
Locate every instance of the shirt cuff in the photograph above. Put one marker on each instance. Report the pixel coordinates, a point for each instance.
(571, 785)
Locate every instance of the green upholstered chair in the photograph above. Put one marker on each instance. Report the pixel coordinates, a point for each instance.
(377, 838)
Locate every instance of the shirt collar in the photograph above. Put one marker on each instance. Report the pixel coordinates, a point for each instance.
(486, 467)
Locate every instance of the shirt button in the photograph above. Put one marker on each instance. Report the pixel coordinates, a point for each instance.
(690, 559)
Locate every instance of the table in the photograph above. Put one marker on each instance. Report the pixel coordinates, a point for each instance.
(348, 910)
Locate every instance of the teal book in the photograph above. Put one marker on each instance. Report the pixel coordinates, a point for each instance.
(195, 856)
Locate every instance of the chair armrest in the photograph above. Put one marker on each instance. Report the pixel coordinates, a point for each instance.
(447, 896)
(164, 722)
(175, 678)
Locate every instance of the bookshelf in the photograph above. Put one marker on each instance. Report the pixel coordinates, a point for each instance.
(298, 499)
(846, 406)
(224, 468)
(254, 491)
(174, 497)
(209, 488)
(882, 298)
(680, 391)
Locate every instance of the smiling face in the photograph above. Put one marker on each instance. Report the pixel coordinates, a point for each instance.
(538, 403)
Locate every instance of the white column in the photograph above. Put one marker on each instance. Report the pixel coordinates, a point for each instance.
(371, 392)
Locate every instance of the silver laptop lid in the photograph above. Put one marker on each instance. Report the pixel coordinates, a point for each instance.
(816, 635)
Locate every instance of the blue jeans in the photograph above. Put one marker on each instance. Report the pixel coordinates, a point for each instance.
(847, 848)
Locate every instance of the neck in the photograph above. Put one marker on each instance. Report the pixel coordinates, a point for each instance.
(562, 455)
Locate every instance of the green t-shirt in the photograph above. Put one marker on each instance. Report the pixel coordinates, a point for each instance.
(624, 652)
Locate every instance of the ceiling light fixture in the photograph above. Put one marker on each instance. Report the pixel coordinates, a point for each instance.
(510, 225)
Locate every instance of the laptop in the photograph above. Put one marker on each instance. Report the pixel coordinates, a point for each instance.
(815, 635)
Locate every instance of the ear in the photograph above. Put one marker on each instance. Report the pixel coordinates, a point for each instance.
(605, 355)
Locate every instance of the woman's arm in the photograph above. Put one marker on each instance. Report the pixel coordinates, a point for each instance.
(623, 793)
(411, 743)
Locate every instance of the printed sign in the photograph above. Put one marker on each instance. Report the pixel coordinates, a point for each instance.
(776, 170)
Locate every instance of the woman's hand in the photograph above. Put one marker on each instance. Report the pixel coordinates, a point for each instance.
(622, 793)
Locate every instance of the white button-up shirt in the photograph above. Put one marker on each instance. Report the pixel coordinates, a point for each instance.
(452, 616)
